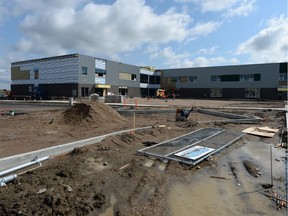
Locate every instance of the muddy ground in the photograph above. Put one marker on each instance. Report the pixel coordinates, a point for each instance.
(110, 178)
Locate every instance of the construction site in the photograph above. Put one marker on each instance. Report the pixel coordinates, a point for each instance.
(143, 156)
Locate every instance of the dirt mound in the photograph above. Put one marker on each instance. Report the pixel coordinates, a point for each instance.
(89, 113)
(252, 168)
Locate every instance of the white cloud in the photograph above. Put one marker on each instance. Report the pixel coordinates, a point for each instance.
(204, 29)
(184, 60)
(17, 8)
(208, 51)
(268, 45)
(214, 61)
(5, 79)
(212, 5)
(229, 7)
(243, 9)
(120, 27)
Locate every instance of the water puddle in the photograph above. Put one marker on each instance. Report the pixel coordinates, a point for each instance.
(110, 211)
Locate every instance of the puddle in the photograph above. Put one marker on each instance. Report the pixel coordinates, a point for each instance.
(205, 196)
(197, 199)
(110, 211)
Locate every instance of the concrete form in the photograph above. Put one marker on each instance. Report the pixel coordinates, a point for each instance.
(215, 138)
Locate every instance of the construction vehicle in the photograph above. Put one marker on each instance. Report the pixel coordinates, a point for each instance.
(161, 94)
(8, 94)
(182, 114)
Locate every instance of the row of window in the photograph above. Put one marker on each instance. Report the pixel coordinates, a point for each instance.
(249, 92)
(180, 79)
(151, 79)
(236, 78)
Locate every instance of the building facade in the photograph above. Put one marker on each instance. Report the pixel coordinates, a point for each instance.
(73, 75)
(255, 81)
(79, 75)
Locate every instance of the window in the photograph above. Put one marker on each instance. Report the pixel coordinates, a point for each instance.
(97, 70)
(283, 76)
(36, 73)
(257, 77)
(250, 77)
(84, 92)
(100, 75)
(216, 92)
(173, 79)
(143, 78)
(127, 76)
(158, 80)
(183, 79)
(230, 78)
(152, 79)
(215, 78)
(244, 78)
(165, 79)
(192, 78)
(84, 70)
(252, 92)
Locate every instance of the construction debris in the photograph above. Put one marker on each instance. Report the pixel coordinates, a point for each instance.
(275, 197)
(261, 131)
(235, 173)
(219, 177)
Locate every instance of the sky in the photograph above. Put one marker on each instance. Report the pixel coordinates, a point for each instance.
(159, 33)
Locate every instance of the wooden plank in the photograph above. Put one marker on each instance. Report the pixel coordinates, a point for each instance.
(257, 132)
(268, 129)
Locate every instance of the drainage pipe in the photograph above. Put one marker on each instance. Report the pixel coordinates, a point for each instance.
(7, 179)
(33, 162)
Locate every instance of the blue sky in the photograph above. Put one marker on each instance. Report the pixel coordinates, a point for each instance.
(159, 33)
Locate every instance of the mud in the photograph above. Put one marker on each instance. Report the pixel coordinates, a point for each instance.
(109, 178)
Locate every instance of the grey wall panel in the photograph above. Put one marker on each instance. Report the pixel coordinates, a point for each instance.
(89, 62)
(113, 70)
(269, 76)
(134, 92)
(114, 89)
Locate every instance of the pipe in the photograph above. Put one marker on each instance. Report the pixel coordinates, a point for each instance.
(7, 179)
(33, 162)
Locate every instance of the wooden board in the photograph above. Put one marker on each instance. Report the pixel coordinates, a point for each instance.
(259, 132)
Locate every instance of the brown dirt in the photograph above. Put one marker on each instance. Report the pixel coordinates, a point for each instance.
(86, 181)
(89, 113)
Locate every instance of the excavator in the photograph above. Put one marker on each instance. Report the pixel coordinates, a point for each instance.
(182, 114)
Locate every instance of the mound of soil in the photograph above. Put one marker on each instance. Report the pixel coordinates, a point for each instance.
(87, 113)
(252, 168)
